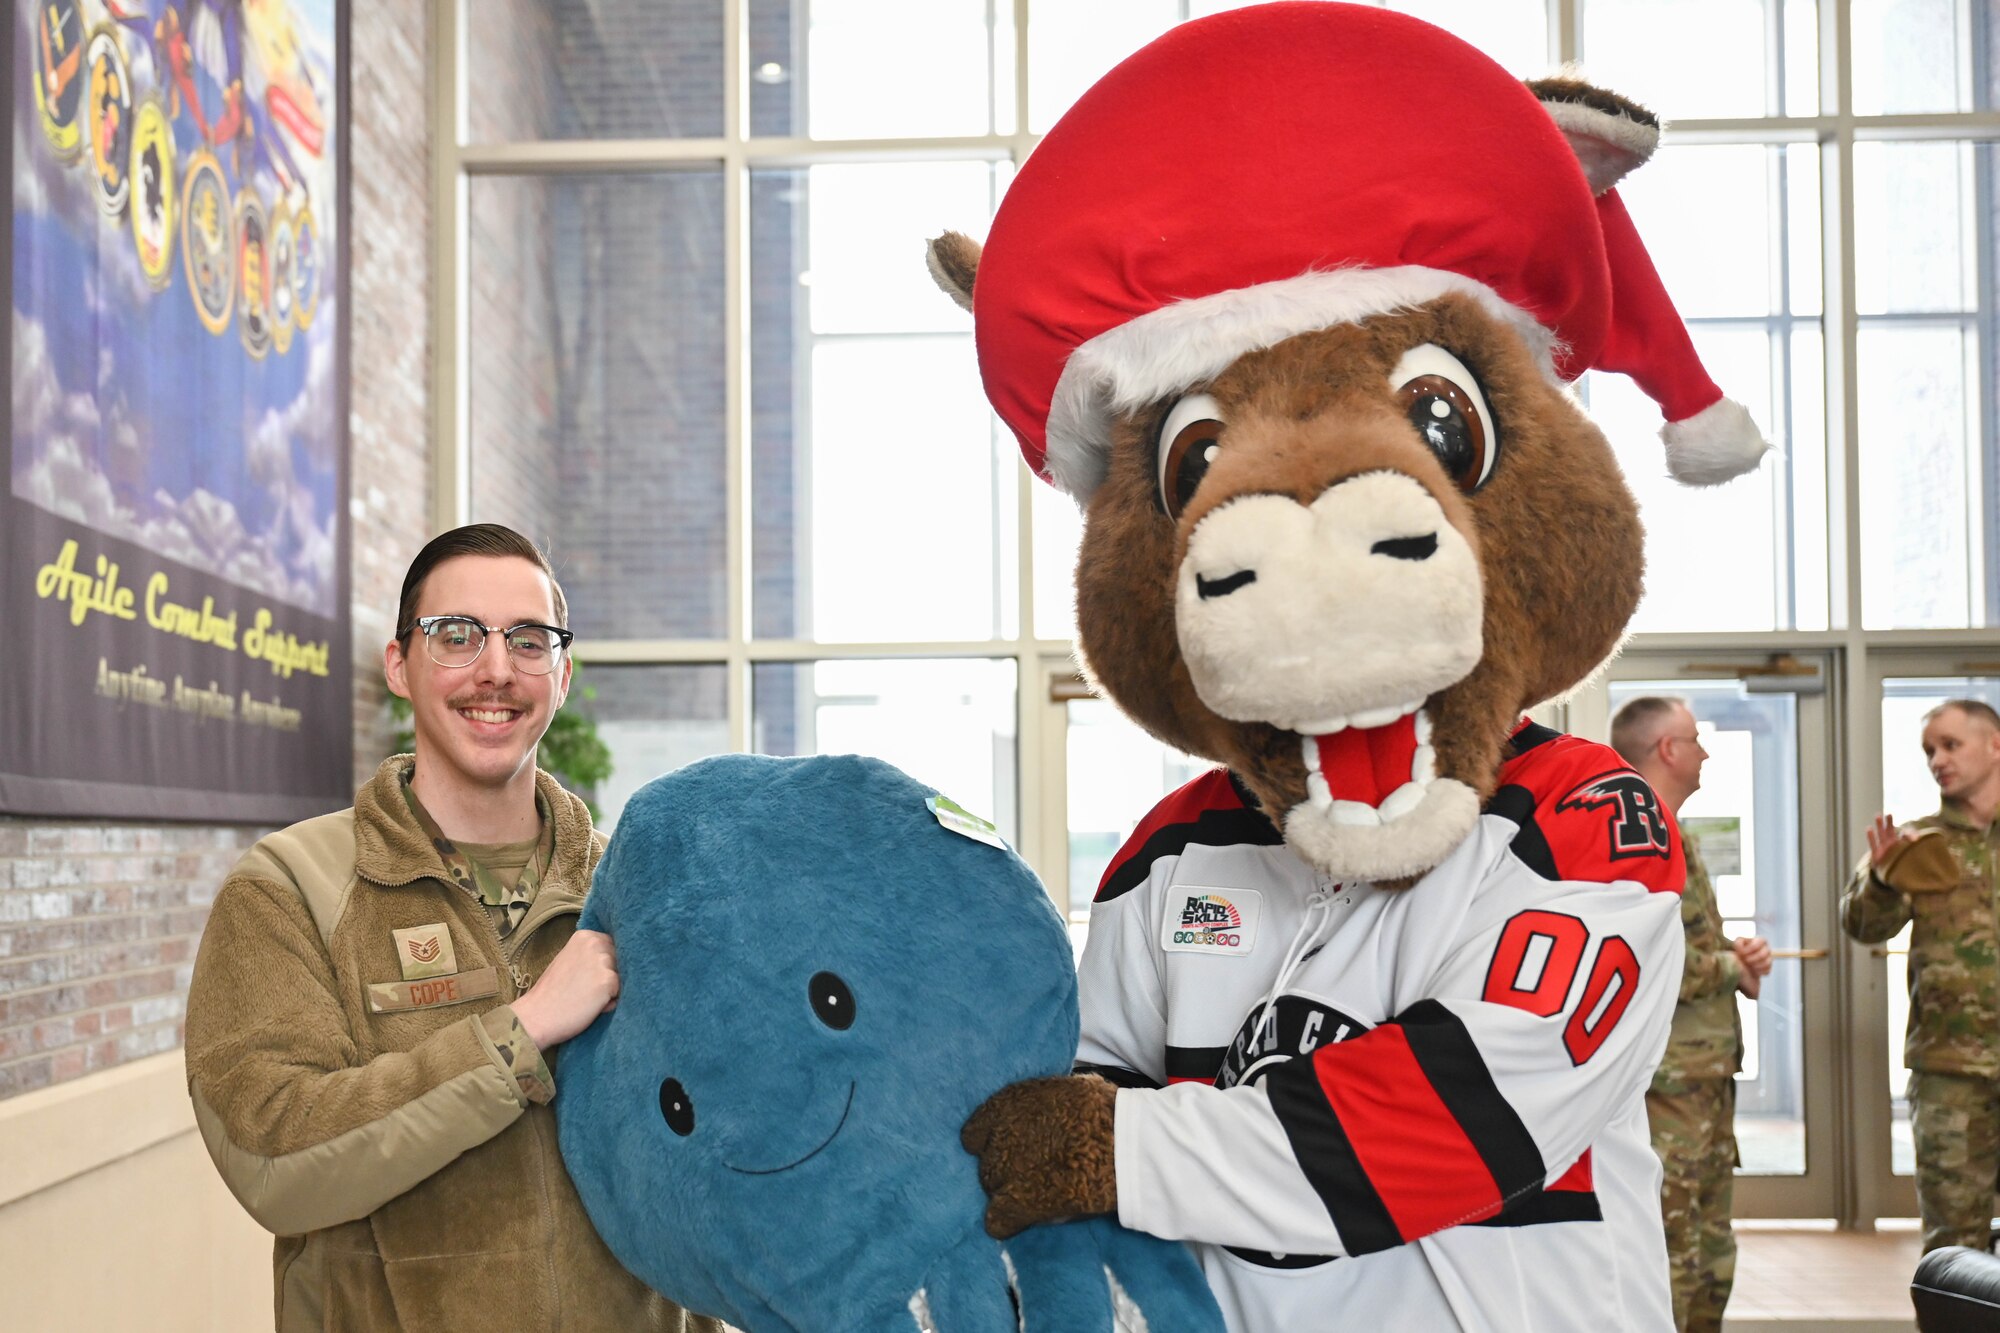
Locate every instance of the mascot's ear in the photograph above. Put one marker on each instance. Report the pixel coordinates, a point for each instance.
(1610, 135)
(954, 262)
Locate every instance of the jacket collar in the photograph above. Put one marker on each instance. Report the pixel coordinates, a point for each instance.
(391, 849)
(1952, 814)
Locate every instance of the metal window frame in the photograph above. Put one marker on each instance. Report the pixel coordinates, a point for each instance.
(1854, 652)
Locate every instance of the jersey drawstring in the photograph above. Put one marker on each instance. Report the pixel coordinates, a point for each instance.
(1311, 934)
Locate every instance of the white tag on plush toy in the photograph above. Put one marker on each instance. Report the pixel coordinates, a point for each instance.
(963, 822)
(1214, 921)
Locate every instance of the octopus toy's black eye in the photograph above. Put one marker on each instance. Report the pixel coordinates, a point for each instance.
(1444, 402)
(831, 1000)
(1190, 442)
(677, 1107)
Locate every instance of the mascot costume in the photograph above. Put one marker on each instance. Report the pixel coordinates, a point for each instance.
(1289, 303)
(826, 967)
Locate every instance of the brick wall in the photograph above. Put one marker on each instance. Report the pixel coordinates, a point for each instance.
(99, 921)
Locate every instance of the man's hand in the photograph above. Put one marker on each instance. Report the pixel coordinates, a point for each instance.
(1883, 841)
(580, 984)
(1753, 959)
(1045, 1151)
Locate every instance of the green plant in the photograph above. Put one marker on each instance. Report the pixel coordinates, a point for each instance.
(571, 749)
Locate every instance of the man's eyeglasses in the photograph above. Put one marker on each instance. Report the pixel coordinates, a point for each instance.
(457, 641)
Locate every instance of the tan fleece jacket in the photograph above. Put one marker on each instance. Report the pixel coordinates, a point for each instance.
(358, 1106)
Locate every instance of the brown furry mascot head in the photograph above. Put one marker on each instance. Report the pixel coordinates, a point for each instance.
(1299, 344)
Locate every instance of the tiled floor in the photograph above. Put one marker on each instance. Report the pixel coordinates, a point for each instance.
(1802, 1275)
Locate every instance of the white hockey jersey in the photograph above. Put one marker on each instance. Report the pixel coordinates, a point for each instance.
(1399, 1110)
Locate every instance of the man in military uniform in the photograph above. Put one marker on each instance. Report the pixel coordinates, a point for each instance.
(381, 994)
(1692, 1104)
(1937, 873)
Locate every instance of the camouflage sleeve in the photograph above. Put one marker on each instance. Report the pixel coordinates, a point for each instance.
(518, 1052)
(1707, 972)
(1871, 911)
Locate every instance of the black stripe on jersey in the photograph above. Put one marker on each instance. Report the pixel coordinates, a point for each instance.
(1548, 1206)
(1195, 1061)
(1326, 1157)
(1213, 828)
(1117, 1074)
(1445, 1052)
(1517, 806)
(1528, 737)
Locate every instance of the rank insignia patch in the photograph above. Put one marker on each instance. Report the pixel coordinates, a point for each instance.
(425, 951)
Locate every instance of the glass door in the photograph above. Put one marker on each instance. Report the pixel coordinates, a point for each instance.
(1764, 787)
(1904, 687)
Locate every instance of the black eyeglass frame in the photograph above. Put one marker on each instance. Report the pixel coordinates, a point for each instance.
(428, 627)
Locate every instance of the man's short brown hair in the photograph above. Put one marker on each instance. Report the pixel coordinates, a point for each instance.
(1976, 709)
(1636, 724)
(489, 539)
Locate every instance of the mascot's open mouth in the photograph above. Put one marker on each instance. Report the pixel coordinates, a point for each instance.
(774, 1170)
(1371, 767)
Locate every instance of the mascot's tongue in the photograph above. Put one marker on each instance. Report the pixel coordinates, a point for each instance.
(1365, 764)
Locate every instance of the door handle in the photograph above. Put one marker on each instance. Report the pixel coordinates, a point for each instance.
(1806, 955)
(1068, 687)
(1884, 951)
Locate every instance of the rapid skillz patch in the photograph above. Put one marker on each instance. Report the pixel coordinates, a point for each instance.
(1211, 921)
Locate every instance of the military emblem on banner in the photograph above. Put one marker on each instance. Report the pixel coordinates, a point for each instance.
(59, 73)
(305, 267)
(108, 111)
(208, 241)
(151, 180)
(284, 302)
(253, 273)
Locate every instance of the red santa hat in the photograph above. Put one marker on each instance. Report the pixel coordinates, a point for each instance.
(1270, 171)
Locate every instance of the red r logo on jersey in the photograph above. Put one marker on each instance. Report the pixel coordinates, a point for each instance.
(1637, 826)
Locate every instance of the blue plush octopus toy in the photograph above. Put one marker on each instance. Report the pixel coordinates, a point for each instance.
(826, 968)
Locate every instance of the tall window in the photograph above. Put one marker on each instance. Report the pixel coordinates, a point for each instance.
(690, 344)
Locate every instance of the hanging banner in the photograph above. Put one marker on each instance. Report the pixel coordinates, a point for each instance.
(173, 536)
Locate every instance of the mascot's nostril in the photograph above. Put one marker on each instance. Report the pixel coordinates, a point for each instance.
(1407, 548)
(1222, 587)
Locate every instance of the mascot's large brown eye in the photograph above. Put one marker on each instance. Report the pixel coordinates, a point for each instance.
(1443, 401)
(831, 1000)
(1190, 440)
(677, 1107)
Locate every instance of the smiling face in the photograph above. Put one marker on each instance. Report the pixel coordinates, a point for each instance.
(820, 982)
(1347, 565)
(478, 725)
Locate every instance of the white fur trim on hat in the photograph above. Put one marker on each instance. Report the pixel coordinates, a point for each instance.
(1176, 347)
(1715, 444)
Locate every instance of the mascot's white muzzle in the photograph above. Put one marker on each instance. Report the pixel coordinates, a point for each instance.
(1350, 611)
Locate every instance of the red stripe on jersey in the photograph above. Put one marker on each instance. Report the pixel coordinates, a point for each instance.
(1190, 1078)
(1210, 794)
(1577, 1178)
(1416, 1155)
(1599, 818)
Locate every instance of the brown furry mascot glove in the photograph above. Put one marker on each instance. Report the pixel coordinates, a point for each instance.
(1045, 1151)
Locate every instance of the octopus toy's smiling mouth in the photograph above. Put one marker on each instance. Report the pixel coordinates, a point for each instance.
(774, 1170)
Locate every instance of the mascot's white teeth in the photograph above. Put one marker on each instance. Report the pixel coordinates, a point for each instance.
(1366, 719)
(1355, 765)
